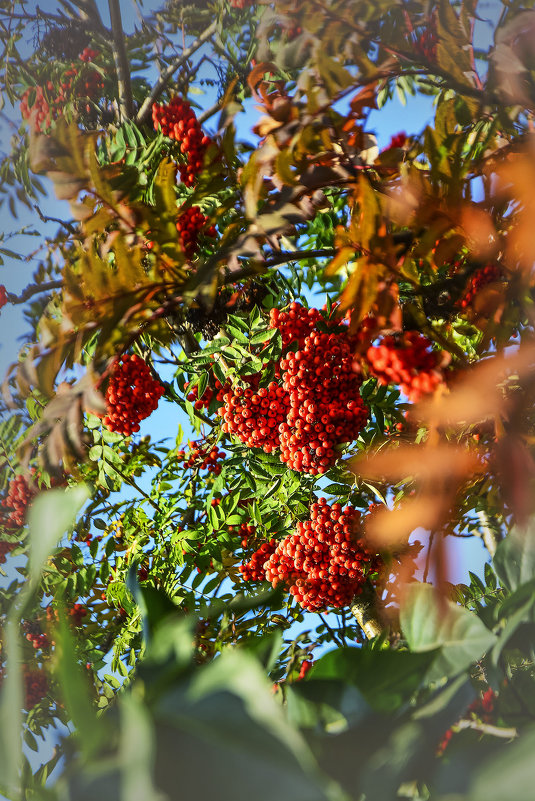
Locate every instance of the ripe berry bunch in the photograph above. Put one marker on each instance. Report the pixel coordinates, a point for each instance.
(485, 275)
(426, 43)
(326, 407)
(407, 360)
(201, 458)
(5, 549)
(178, 121)
(77, 613)
(306, 664)
(295, 324)
(247, 532)
(254, 569)
(44, 104)
(33, 634)
(17, 500)
(323, 564)
(190, 224)
(132, 395)
(397, 140)
(255, 417)
(35, 686)
(3, 296)
(199, 403)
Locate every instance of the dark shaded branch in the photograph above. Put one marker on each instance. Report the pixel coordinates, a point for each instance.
(34, 289)
(126, 103)
(145, 110)
(44, 218)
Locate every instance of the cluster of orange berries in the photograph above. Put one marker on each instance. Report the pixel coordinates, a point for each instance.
(17, 500)
(40, 105)
(132, 395)
(314, 405)
(322, 564)
(177, 120)
(33, 634)
(5, 549)
(254, 569)
(485, 275)
(202, 459)
(190, 224)
(35, 687)
(77, 613)
(325, 404)
(408, 360)
(306, 664)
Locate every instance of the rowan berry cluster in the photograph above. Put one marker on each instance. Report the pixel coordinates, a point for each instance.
(77, 613)
(426, 43)
(201, 458)
(315, 404)
(255, 417)
(247, 532)
(296, 324)
(306, 664)
(35, 687)
(254, 569)
(44, 104)
(132, 395)
(397, 140)
(3, 296)
(5, 549)
(325, 404)
(34, 634)
(485, 275)
(190, 224)
(177, 120)
(17, 500)
(408, 360)
(323, 563)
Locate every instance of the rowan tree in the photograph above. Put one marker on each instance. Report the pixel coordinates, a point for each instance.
(264, 603)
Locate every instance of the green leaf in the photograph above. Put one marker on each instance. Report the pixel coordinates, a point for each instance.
(264, 336)
(514, 560)
(428, 623)
(386, 678)
(50, 516)
(137, 751)
(507, 774)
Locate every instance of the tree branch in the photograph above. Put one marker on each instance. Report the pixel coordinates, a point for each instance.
(126, 103)
(364, 609)
(145, 110)
(34, 289)
(488, 535)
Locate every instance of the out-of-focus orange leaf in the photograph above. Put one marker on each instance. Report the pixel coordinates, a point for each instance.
(516, 470)
(478, 396)
(430, 462)
(393, 527)
(480, 232)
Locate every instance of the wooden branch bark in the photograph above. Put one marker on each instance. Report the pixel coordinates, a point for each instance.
(126, 103)
(364, 609)
(145, 110)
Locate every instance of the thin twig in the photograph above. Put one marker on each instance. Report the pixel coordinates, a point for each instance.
(145, 110)
(44, 218)
(487, 728)
(126, 103)
(33, 289)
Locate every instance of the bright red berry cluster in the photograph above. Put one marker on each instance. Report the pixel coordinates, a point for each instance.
(44, 104)
(254, 569)
(132, 395)
(77, 613)
(190, 224)
(306, 664)
(326, 407)
(17, 500)
(201, 458)
(296, 324)
(408, 360)
(178, 121)
(255, 417)
(5, 549)
(485, 275)
(397, 140)
(3, 296)
(35, 635)
(314, 405)
(35, 686)
(323, 564)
